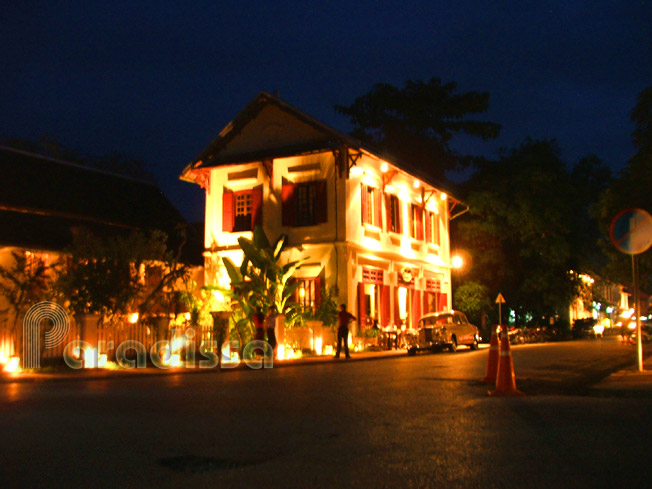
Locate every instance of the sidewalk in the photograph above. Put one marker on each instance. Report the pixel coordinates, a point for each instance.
(65, 374)
(628, 382)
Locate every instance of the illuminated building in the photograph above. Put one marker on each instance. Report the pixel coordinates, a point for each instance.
(375, 232)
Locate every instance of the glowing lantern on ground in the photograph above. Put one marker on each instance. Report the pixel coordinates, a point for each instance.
(13, 365)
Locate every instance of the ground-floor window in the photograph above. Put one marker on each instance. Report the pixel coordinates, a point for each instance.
(308, 293)
(371, 299)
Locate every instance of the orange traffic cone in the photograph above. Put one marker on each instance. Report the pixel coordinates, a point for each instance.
(492, 361)
(506, 381)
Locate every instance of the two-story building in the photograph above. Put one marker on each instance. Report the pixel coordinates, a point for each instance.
(375, 232)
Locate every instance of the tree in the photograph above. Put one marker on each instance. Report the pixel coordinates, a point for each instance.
(102, 275)
(23, 284)
(589, 179)
(631, 189)
(472, 298)
(417, 122)
(520, 230)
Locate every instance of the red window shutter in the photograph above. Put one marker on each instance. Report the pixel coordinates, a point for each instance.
(228, 212)
(399, 216)
(388, 215)
(287, 199)
(256, 207)
(321, 206)
(412, 234)
(385, 306)
(428, 226)
(362, 310)
(379, 212)
(317, 292)
(363, 202)
(426, 302)
(443, 302)
(419, 223)
(416, 307)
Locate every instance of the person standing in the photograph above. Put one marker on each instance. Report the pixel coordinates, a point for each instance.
(259, 324)
(343, 319)
(270, 324)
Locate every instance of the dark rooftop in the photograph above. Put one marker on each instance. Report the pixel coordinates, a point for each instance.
(42, 199)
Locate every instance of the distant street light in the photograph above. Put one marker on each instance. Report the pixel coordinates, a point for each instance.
(457, 262)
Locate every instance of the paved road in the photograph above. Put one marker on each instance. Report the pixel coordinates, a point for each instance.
(399, 422)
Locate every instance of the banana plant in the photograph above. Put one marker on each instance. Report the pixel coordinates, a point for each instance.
(261, 280)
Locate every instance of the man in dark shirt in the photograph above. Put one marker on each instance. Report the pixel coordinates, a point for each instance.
(343, 318)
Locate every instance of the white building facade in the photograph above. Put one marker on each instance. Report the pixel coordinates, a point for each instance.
(373, 234)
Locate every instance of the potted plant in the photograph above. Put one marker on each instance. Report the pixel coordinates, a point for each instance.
(322, 319)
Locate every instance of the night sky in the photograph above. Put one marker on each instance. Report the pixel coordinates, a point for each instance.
(158, 80)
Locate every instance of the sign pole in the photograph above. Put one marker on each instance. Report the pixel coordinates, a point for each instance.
(631, 233)
(637, 306)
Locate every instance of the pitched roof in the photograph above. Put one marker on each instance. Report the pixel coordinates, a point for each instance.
(324, 138)
(42, 199)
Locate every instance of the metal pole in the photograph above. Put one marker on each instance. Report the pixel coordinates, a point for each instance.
(637, 308)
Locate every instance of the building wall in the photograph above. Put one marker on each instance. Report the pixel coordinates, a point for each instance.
(342, 252)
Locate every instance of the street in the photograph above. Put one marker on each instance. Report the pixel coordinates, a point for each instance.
(408, 422)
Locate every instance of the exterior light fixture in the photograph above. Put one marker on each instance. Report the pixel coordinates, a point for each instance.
(457, 262)
(443, 196)
(417, 184)
(384, 167)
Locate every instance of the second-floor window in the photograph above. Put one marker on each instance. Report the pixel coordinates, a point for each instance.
(304, 203)
(241, 210)
(371, 205)
(432, 227)
(393, 210)
(416, 221)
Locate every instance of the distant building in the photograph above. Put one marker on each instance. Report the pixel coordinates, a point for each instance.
(43, 200)
(375, 231)
(609, 304)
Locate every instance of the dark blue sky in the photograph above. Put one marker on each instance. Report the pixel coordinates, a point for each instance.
(158, 80)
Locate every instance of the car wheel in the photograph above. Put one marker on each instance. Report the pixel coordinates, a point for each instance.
(474, 345)
(412, 352)
(453, 344)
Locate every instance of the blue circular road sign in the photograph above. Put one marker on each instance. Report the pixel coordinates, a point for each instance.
(631, 231)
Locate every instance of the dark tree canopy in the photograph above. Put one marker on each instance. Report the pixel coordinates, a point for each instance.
(641, 116)
(631, 189)
(521, 230)
(416, 123)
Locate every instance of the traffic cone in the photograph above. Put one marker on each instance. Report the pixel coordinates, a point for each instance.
(492, 361)
(506, 380)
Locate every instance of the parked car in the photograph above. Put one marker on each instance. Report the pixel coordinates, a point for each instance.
(585, 328)
(440, 330)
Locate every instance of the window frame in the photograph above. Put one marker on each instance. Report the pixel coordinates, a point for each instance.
(393, 212)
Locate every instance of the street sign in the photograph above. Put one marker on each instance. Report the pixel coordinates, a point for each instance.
(500, 300)
(631, 231)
